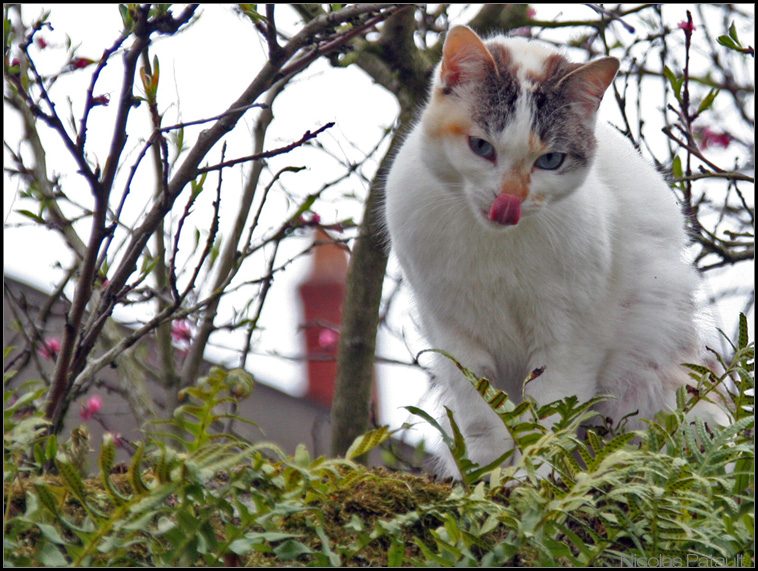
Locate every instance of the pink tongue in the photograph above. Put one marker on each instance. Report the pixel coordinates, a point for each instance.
(506, 210)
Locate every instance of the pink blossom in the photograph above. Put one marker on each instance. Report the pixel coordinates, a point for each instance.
(531, 13)
(118, 440)
(710, 138)
(14, 68)
(40, 42)
(49, 348)
(81, 62)
(181, 331)
(687, 26)
(328, 338)
(312, 220)
(91, 407)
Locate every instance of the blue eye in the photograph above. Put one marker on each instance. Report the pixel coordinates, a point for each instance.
(550, 161)
(482, 148)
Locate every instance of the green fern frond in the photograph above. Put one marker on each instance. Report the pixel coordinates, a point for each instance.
(105, 462)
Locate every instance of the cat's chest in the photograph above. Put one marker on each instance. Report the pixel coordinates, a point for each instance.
(493, 286)
(521, 288)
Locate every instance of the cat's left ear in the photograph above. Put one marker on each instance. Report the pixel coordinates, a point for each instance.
(587, 84)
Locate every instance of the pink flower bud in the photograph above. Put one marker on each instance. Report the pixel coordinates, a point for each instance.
(118, 440)
(49, 348)
(711, 138)
(81, 62)
(181, 331)
(91, 407)
(687, 26)
(328, 338)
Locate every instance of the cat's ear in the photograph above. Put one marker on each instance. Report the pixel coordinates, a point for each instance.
(587, 83)
(464, 57)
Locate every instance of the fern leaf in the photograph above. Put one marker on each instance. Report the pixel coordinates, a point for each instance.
(595, 441)
(367, 442)
(73, 481)
(702, 370)
(47, 498)
(134, 473)
(105, 461)
(71, 477)
(581, 448)
(431, 420)
(743, 337)
(617, 443)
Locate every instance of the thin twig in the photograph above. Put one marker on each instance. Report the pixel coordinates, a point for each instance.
(268, 154)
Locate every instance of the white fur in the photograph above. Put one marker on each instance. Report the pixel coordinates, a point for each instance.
(590, 283)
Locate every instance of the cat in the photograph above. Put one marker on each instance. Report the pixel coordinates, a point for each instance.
(532, 235)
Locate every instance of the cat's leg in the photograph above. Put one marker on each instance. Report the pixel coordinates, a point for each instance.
(560, 377)
(644, 390)
(485, 435)
(570, 372)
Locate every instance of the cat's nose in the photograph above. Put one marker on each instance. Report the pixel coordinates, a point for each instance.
(515, 183)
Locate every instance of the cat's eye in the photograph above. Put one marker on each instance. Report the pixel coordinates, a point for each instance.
(482, 148)
(550, 161)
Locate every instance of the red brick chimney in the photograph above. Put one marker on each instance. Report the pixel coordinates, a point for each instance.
(322, 294)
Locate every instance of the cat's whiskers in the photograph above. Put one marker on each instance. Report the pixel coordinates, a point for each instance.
(447, 203)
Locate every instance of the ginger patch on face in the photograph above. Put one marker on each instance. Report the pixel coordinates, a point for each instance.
(536, 145)
(516, 182)
(443, 118)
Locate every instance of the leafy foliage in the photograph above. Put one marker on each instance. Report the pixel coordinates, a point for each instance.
(675, 490)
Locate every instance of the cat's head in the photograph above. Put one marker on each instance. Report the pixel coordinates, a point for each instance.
(512, 123)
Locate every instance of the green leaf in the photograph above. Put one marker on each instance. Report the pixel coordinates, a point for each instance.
(105, 462)
(728, 42)
(251, 11)
(291, 549)
(620, 441)
(51, 533)
(134, 473)
(733, 33)
(148, 264)
(676, 83)
(49, 555)
(156, 72)
(71, 477)
(676, 167)
(743, 338)
(701, 370)
(708, 101)
(395, 553)
(32, 215)
(197, 186)
(428, 418)
(367, 442)
(304, 207)
(46, 497)
(126, 17)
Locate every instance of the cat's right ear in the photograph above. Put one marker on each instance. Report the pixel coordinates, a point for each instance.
(464, 58)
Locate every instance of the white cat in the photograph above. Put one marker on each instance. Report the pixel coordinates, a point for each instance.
(533, 236)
